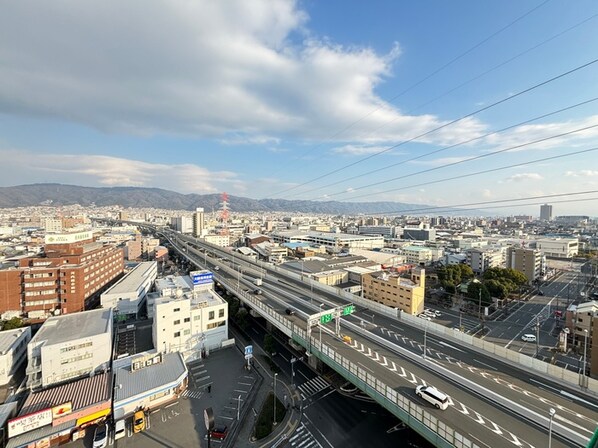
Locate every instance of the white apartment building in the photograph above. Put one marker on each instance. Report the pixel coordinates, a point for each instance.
(190, 321)
(52, 224)
(127, 296)
(13, 351)
(217, 240)
(329, 239)
(417, 254)
(558, 247)
(481, 259)
(70, 346)
(183, 224)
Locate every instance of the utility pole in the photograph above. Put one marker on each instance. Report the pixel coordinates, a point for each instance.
(537, 336)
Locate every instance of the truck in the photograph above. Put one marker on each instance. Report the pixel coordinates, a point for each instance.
(257, 282)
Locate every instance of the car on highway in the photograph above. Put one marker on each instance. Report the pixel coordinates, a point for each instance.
(528, 338)
(258, 291)
(290, 311)
(424, 316)
(216, 268)
(433, 395)
(100, 436)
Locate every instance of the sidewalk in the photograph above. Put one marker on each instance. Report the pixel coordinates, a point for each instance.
(284, 430)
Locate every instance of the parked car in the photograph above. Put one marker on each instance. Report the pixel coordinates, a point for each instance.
(139, 421)
(219, 432)
(100, 436)
(119, 429)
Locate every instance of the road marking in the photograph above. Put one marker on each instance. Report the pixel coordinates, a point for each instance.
(484, 364)
(574, 397)
(450, 346)
(365, 367)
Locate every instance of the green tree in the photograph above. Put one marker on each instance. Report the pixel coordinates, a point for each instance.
(496, 289)
(473, 293)
(11, 324)
(269, 344)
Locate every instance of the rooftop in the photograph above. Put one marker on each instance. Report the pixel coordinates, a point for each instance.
(8, 337)
(129, 384)
(387, 276)
(174, 282)
(133, 279)
(74, 326)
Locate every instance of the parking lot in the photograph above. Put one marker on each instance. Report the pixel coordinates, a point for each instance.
(220, 382)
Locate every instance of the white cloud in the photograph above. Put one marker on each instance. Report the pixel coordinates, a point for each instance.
(244, 72)
(116, 171)
(524, 176)
(582, 173)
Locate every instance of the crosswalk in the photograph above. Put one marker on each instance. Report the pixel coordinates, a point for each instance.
(187, 393)
(303, 438)
(312, 387)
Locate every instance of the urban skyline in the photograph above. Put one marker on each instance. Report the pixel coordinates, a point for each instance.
(300, 100)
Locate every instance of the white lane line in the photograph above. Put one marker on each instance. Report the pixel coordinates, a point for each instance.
(574, 397)
(365, 367)
(484, 364)
(450, 346)
(284, 357)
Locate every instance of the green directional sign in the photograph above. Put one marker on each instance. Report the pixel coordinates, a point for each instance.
(349, 309)
(326, 318)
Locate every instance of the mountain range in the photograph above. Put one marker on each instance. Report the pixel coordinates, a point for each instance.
(142, 197)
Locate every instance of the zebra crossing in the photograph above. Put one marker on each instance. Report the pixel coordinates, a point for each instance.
(303, 438)
(312, 387)
(187, 393)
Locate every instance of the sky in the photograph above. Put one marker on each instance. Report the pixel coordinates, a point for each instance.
(428, 102)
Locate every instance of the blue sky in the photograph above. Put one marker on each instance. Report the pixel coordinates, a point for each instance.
(286, 99)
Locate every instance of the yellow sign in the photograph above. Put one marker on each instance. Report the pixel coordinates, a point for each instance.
(93, 417)
(63, 409)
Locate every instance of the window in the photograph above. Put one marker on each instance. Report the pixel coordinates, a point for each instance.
(221, 312)
(177, 322)
(197, 317)
(177, 310)
(211, 316)
(177, 334)
(187, 319)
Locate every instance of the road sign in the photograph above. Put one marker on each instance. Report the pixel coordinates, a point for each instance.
(249, 352)
(326, 318)
(349, 309)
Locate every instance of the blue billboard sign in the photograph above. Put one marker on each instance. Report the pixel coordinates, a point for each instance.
(202, 278)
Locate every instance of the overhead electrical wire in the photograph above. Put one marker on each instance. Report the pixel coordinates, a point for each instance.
(435, 72)
(458, 162)
(464, 142)
(463, 117)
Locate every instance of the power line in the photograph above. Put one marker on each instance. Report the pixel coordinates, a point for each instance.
(481, 156)
(461, 176)
(497, 201)
(435, 72)
(377, 170)
(471, 114)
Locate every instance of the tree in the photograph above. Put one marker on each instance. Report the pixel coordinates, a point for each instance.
(496, 289)
(454, 274)
(473, 293)
(269, 344)
(12, 324)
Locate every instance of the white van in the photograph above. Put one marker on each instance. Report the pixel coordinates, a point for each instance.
(119, 429)
(432, 395)
(528, 338)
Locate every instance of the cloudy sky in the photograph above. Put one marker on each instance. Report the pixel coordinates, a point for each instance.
(430, 102)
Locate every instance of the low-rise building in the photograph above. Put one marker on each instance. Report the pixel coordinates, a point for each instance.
(332, 240)
(391, 289)
(70, 346)
(558, 247)
(147, 381)
(417, 255)
(481, 259)
(13, 352)
(127, 296)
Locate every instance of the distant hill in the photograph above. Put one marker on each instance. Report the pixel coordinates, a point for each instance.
(58, 195)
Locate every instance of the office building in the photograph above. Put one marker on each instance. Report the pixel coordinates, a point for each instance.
(546, 212)
(386, 231)
(558, 247)
(69, 347)
(481, 259)
(417, 254)
(198, 222)
(127, 296)
(531, 262)
(389, 288)
(13, 352)
(417, 234)
(183, 224)
(332, 240)
(70, 278)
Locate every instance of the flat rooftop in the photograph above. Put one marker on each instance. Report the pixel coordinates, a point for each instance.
(8, 337)
(386, 276)
(173, 282)
(74, 326)
(134, 279)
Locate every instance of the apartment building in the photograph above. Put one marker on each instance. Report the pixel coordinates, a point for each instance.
(417, 254)
(391, 289)
(582, 322)
(68, 279)
(481, 259)
(69, 347)
(531, 262)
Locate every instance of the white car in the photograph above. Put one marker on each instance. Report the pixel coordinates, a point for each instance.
(433, 395)
(100, 436)
(528, 338)
(424, 316)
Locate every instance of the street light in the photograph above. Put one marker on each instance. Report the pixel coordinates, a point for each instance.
(274, 417)
(552, 412)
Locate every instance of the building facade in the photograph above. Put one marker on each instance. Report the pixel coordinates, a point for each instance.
(13, 351)
(198, 223)
(531, 262)
(558, 247)
(546, 212)
(330, 239)
(395, 291)
(127, 296)
(481, 259)
(417, 254)
(68, 347)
